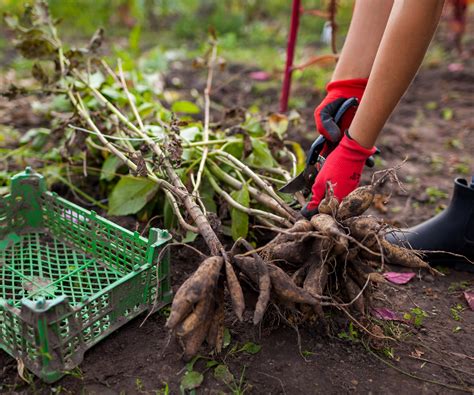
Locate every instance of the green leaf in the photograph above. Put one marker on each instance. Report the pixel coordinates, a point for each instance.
(32, 133)
(189, 134)
(130, 195)
(251, 348)
(96, 80)
(36, 136)
(222, 373)
(261, 155)
(60, 103)
(146, 109)
(111, 93)
(191, 380)
(156, 131)
(254, 126)
(169, 217)
(189, 238)
(109, 167)
(186, 107)
(134, 39)
(300, 156)
(236, 149)
(207, 195)
(190, 364)
(211, 363)
(447, 113)
(240, 220)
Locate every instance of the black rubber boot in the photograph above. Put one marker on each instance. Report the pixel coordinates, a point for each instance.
(452, 231)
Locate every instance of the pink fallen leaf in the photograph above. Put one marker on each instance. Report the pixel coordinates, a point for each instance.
(399, 278)
(454, 67)
(469, 298)
(259, 75)
(383, 313)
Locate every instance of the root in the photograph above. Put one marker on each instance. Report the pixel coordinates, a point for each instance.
(235, 290)
(335, 259)
(356, 203)
(329, 205)
(286, 290)
(197, 287)
(315, 283)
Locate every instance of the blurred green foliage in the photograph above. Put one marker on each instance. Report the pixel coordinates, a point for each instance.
(249, 30)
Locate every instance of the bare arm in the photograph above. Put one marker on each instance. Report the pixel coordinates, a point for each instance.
(363, 39)
(409, 30)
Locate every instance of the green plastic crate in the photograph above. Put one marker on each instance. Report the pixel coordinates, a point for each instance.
(68, 277)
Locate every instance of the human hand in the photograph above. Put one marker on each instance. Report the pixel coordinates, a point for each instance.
(343, 168)
(337, 93)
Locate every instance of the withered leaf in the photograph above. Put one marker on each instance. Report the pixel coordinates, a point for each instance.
(96, 40)
(137, 158)
(39, 74)
(35, 44)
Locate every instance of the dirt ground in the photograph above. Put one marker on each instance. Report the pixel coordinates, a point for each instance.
(433, 127)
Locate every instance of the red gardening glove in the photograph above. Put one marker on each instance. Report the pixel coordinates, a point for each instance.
(343, 167)
(337, 93)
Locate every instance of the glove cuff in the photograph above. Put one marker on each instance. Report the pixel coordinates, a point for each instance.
(356, 150)
(348, 88)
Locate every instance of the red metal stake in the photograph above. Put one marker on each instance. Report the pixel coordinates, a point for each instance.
(290, 53)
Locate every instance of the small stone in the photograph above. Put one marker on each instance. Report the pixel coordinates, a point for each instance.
(429, 278)
(354, 382)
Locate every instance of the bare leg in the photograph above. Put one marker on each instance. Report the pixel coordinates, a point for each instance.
(409, 30)
(363, 39)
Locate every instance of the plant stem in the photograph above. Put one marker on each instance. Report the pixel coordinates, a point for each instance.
(178, 187)
(240, 207)
(79, 105)
(261, 183)
(207, 104)
(177, 212)
(254, 192)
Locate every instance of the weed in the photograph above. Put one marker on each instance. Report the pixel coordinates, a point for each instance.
(461, 168)
(455, 143)
(139, 385)
(417, 315)
(250, 348)
(458, 286)
(457, 329)
(351, 335)
(431, 105)
(165, 311)
(76, 373)
(456, 312)
(307, 353)
(163, 391)
(437, 162)
(447, 113)
(395, 329)
(435, 194)
(389, 352)
(224, 375)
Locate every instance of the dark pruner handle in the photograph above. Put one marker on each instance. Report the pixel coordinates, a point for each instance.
(319, 143)
(315, 150)
(351, 102)
(370, 161)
